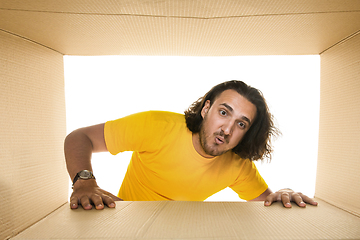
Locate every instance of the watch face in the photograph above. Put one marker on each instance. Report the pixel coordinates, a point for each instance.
(85, 174)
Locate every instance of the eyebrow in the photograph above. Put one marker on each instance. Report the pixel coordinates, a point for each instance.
(232, 110)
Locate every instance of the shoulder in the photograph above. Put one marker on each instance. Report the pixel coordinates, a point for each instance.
(164, 116)
(152, 116)
(159, 118)
(143, 131)
(156, 122)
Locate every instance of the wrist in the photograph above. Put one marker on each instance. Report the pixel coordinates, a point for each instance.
(83, 175)
(81, 183)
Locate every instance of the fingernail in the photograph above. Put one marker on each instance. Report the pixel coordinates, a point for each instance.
(287, 204)
(112, 205)
(88, 206)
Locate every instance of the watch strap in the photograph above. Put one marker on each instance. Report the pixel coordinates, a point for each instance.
(77, 176)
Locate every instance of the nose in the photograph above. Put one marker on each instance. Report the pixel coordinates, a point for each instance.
(227, 127)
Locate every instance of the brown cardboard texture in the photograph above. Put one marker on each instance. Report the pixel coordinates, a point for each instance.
(197, 220)
(34, 36)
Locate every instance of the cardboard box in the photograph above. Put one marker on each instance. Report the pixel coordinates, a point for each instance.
(197, 220)
(34, 36)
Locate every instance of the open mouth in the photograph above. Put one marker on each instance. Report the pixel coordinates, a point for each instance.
(219, 140)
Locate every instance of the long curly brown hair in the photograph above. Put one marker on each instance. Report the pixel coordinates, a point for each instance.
(256, 144)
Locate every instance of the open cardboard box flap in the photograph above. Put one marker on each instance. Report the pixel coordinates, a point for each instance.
(197, 220)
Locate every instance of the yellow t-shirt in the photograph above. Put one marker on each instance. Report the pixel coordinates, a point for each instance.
(166, 166)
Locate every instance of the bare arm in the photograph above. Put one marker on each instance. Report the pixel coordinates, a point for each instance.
(79, 146)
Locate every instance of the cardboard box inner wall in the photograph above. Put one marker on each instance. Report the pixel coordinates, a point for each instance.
(35, 35)
(33, 178)
(339, 142)
(187, 27)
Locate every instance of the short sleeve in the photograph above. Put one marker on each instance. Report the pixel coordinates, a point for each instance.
(127, 134)
(140, 132)
(249, 184)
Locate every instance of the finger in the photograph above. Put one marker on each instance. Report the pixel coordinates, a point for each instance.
(97, 201)
(272, 197)
(298, 199)
(85, 203)
(285, 198)
(108, 201)
(74, 202)
(309, 200)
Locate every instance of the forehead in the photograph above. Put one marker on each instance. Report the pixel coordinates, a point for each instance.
(240, 105)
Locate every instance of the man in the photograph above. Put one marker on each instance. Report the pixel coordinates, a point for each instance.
(177, 157)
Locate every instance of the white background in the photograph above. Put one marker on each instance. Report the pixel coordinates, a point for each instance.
(103, 88)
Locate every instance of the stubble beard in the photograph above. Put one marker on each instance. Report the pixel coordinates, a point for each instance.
(212, 148)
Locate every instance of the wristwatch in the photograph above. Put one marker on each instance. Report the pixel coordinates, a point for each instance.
(83, 174)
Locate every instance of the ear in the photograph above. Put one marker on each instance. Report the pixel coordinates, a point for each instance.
(205, 109)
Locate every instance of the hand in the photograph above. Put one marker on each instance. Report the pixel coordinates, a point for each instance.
(87, 192)
(286, 196)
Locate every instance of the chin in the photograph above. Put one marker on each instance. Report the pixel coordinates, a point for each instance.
(215, 152)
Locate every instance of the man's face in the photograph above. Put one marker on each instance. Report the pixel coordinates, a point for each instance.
(224, 123)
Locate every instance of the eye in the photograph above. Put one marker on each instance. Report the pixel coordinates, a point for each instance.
(241, 125)
(223, 113)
